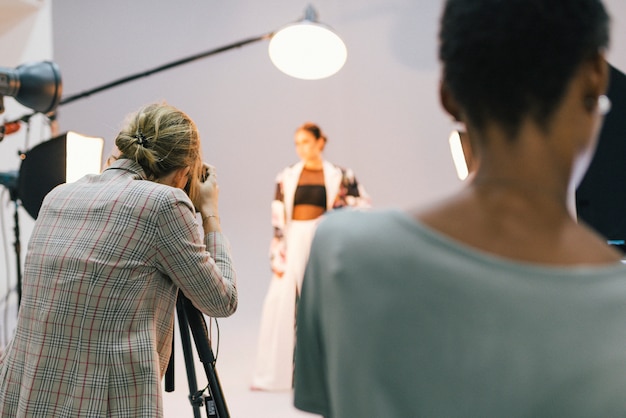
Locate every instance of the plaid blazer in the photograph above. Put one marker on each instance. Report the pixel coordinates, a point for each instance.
(105, 261)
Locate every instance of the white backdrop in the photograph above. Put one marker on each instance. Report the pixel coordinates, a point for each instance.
(381, 112)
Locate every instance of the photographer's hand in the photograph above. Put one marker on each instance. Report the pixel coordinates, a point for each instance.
(207, 201)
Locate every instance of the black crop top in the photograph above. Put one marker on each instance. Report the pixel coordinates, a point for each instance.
(310, 194)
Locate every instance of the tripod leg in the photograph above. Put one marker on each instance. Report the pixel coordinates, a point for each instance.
(169, 373)
(183, 324)
(205, 353)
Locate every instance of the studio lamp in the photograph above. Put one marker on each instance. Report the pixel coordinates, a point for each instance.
(35, 85)
(307, 49)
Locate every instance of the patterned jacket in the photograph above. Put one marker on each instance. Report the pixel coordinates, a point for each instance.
(104, 264)
(342, 189)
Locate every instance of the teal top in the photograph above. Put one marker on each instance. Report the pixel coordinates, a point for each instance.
(398, 320)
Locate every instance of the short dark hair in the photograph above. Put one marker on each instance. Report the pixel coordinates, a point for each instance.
(507, 59)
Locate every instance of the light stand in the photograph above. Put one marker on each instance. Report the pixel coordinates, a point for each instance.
(9, 180)
(163, 67)
(37, 86)
(17, 246)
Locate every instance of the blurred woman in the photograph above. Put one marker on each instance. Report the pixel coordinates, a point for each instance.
(495, 301)
(304, 192)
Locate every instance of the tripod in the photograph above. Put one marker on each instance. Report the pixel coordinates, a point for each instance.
(189, 317)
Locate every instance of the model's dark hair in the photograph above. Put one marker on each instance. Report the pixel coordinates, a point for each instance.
(314, 130)
(507, 59)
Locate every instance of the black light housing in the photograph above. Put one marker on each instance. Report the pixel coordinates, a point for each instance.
(37, 86)
(62, 159)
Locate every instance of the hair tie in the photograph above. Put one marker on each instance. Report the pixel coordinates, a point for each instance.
(141, 138)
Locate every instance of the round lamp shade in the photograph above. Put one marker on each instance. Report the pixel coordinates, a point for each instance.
(308, 51)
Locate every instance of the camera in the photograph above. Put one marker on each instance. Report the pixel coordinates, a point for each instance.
(204, 175)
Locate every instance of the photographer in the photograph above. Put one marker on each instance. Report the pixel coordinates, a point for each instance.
(105, 261)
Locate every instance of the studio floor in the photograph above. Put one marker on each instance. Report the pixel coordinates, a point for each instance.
(235, 361)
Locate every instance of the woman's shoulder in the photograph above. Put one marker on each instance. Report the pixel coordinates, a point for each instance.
(160, 196)
(363, 221)
(388, 230)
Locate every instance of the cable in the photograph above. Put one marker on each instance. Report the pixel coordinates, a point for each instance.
(217, 345)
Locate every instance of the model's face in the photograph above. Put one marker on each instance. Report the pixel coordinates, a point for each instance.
(308, 147)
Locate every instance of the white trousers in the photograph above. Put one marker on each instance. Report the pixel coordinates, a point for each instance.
(274, 363)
